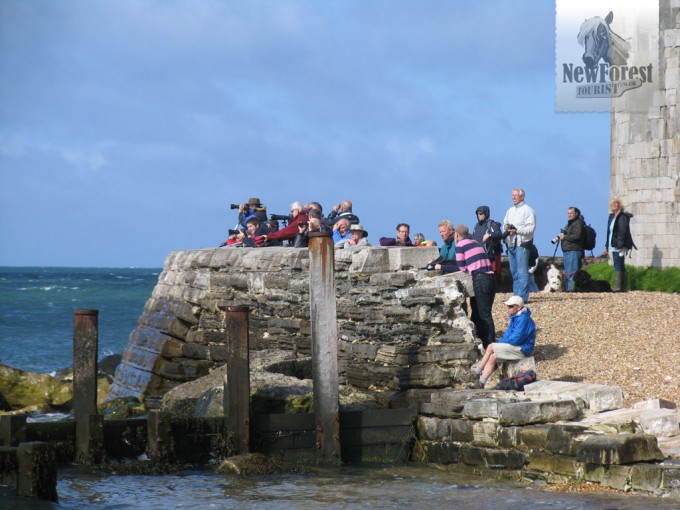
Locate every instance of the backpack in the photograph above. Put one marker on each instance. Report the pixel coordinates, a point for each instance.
(589, 236)
(518, 382)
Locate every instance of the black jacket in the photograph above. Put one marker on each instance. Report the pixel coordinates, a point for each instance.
(573, 235)
(493, 228)
(621, 236)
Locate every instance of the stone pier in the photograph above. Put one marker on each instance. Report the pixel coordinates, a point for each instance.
(399, 326)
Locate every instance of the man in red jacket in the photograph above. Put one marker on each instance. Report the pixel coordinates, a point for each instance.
(288, 233)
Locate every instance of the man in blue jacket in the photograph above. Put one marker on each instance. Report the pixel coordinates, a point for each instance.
(516, 343)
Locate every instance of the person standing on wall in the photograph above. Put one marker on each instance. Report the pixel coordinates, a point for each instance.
(519, 225)
(572, 245)
(472, 258)
(619, 242)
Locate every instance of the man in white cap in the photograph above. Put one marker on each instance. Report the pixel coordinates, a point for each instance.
(516, 343)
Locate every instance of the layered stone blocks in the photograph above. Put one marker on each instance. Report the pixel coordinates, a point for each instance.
(645, 155)
(399, 326)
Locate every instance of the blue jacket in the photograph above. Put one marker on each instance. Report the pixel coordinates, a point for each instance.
(521, 332)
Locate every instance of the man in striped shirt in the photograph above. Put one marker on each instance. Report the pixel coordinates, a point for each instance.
(471, 258)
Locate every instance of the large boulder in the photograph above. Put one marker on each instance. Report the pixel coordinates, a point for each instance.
(280, 382)
(21, 389)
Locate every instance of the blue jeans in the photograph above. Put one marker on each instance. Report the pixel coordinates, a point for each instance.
(518, 258)
(572, 263)
(619, 261)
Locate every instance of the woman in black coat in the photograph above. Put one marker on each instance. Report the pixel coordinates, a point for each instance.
(619, 242)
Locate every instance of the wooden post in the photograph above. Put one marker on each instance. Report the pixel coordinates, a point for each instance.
(37, 476)
(237, 381)
(85, 350)
(160, 446)
(12, 429)
(324, 328)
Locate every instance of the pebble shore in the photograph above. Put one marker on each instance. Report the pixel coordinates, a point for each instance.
(630, 340)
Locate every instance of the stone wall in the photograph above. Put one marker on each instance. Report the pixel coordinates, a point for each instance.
(645, 149)
(399, 327)
(559, 432)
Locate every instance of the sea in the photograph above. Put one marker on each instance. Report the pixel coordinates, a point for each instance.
(36, 334)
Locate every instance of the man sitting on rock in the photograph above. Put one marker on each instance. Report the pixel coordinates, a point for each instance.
(516, 343)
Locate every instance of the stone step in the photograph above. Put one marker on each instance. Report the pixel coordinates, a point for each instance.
(657, 422)
(596, 397)
(619, 449)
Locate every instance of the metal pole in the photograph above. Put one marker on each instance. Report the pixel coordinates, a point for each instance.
(324, 329)
(85, 348)
(237, 387)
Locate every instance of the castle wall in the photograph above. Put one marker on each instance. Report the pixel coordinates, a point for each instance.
(645, 153)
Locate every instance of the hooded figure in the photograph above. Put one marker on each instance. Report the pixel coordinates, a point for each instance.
(489, 233)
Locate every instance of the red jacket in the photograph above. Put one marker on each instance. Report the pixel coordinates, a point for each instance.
(290, 231)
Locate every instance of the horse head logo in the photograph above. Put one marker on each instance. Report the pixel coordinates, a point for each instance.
(600, 42)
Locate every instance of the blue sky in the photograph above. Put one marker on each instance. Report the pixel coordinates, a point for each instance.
(128, 127)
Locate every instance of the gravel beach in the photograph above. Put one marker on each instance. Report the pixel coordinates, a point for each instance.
(630, 340)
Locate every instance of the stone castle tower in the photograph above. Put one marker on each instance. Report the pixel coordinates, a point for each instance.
(645, 150)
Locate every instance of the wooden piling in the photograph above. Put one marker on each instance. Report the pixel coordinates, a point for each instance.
(160, 445)
(89, 438)
(12, 429)
(237, 381)
(37, 475)
(324, 329)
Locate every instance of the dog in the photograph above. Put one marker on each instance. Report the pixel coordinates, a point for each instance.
(583, 282)
(554, 280)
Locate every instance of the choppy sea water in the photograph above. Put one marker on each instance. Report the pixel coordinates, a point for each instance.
(37, 304)
(349, 487)
(36, 334)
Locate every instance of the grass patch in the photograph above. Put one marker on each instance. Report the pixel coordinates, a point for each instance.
(649, 279)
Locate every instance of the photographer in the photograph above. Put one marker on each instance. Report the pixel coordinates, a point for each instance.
(304, 228)
(253, 209)
(289, 232)
(571, 237)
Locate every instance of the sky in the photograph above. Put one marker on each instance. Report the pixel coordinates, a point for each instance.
(127, 128)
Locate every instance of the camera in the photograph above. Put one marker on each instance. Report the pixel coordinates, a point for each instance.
(556, 239)
(233, 232)
(236, 206)
(303, 224)
(282, 217)
(507, 231)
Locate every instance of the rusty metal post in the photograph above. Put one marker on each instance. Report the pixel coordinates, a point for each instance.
(324, 327)
(85, 350)
(237, 381)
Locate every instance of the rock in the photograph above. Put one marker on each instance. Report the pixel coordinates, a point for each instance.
(655, 403)
(619, 449)
(254, 464)
(524, 413)
(22, 389)
(121, 408)
(108, 364)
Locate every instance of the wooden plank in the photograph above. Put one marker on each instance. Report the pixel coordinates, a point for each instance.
(293, 440)
(283, 422)
(378, 418)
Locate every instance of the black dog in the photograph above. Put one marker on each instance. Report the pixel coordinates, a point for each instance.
(583, 282)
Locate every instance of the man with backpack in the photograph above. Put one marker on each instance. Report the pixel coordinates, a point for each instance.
(572, 236)
(488, 233)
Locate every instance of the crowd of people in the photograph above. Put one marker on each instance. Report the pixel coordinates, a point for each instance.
(477, 253)
(516, 231)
